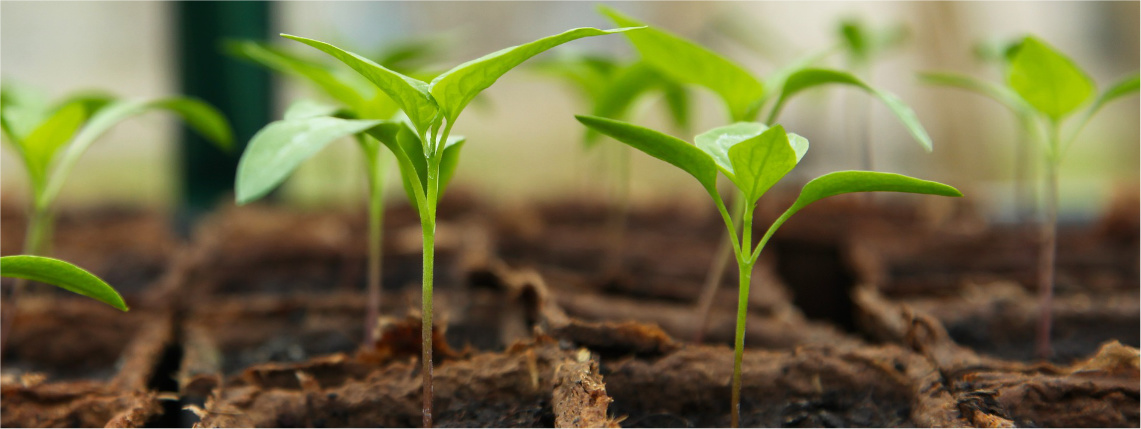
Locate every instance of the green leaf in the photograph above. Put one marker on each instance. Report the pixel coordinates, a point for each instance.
(280, 147)
(844, 182)
(40, 147)
(455, 88)
(810, 78)
(1048, 80)
(22, 109)
(666, 148)
(620, 92)
(996, 92)
(200, 116)
(412, 95)
(687, 62)
(449, 161)
(717, 142)
(760, 162)
(283, 62)
(61, 274)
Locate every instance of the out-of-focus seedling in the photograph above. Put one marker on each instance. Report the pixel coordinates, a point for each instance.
(281, 146)
(1044, 87)
(612, 88)
(754, 157)
(745, 97)
(425, 151)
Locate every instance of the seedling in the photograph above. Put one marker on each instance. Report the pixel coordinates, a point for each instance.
(612, 88)
(745, 98)
(863, 45)
(281, 146)
(51, 139)
(1046, 87)
(754, 157)
(425, 151)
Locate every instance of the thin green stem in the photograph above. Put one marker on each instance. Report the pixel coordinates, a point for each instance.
(745, 270)
(1049, 245)
(429, 228)
(717, 270)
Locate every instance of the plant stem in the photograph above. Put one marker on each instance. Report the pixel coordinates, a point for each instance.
(375, 231)
(745, 270)
(717, 272)
(35, 241)
(428, 393)
(1049, 247)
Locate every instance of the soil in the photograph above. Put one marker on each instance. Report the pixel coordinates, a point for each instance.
(853, 322)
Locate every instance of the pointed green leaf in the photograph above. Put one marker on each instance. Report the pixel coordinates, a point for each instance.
(996, 92)
(666, 148)
(688, 62)
(760, 162)
(406, 147)
(62, 274)
(280, 147)
(717, 142)
(283, 62)
(40, 147)
(812, 77)
(1048, 80)
(412, 95)
(457, 87)
(843, 182)
(449, 161)
(200, 116)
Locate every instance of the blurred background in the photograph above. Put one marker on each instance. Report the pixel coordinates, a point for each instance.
(524, 144)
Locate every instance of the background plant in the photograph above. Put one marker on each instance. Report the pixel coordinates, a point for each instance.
(281, 146)
(754, 157)
(612, 88)
(1044, 87)
(745, 98)
(425, 151)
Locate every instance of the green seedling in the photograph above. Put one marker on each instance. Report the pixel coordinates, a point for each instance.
(745, 98)
(50, 139)
(1044, 88)
(62, 274)
(612, 88)
(754, 157)
(862, 46)
(425, 151)
(281, 146)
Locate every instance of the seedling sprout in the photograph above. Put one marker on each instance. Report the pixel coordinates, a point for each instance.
(754, 157)
(425, 151)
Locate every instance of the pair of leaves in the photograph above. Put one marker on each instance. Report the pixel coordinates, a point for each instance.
(685, 61)
(280, 147)
(743, 94)
(62, 274)
(447, 95)
(755, 158)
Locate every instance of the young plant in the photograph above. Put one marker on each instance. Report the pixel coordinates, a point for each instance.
(1053, 87)
(611, 88)
(50, 139)
(425, 151)
(754, 157)
(281, 146)
(862, 46)
(745, 99)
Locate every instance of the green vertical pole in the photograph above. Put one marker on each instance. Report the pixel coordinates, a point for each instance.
(242, 91)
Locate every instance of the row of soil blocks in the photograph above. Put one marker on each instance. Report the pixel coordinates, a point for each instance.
(265, 322)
